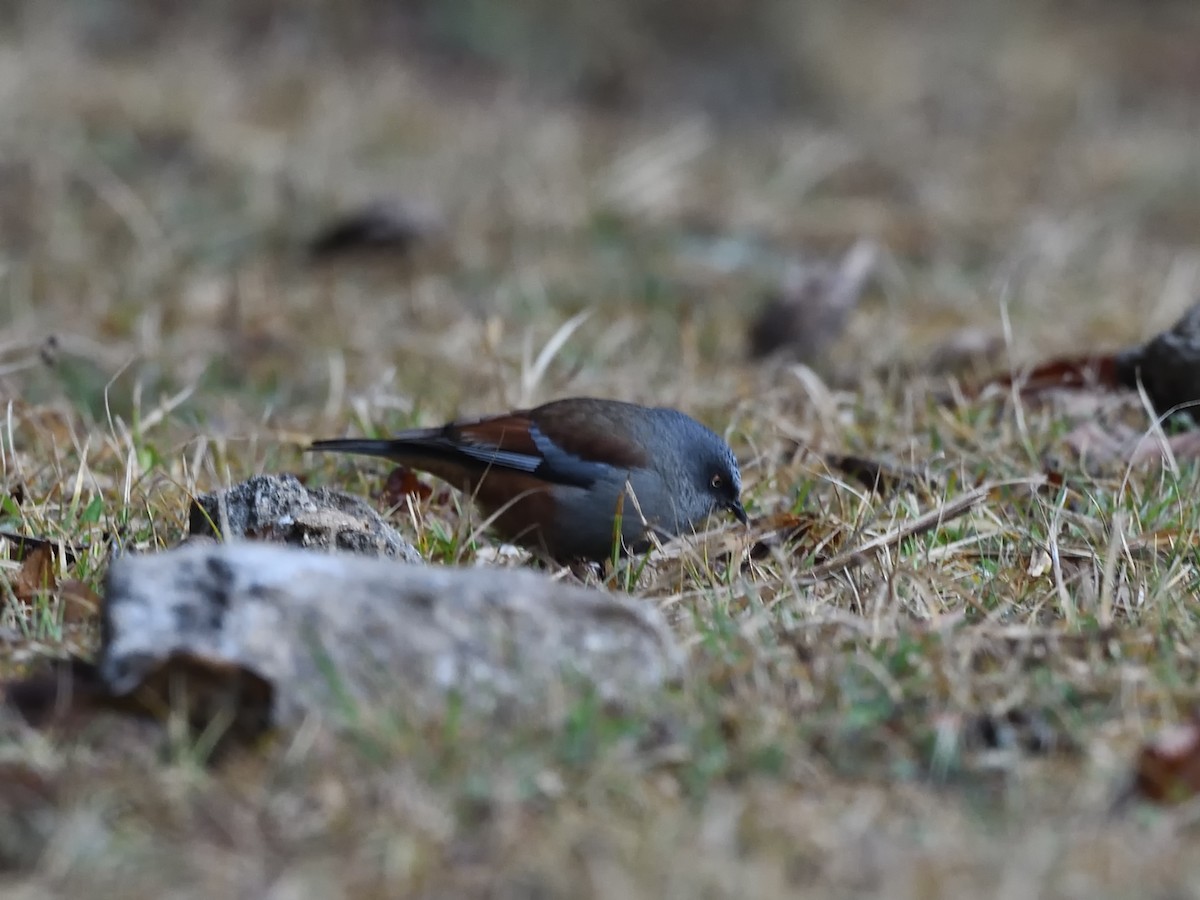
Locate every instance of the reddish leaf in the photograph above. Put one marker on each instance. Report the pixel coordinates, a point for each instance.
(36, 576)
(1069, 372)
(1168, 767)
(402, 483)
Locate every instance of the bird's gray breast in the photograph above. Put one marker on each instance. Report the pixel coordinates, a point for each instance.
(587, 516)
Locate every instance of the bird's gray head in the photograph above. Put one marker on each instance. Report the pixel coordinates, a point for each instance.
(716, 470)
(702, 471)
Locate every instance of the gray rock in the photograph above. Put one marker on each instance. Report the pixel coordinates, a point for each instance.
(347, 637)
(1169, 368)
(282, 510)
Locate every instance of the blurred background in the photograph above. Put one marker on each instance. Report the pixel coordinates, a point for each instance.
(169, 170)
(230, 226)
(735, 59)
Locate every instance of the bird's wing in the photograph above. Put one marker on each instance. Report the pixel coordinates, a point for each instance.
(509, 441)
(567, 444)
(572, 442)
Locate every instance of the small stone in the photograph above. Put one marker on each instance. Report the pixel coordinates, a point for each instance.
(282, 510)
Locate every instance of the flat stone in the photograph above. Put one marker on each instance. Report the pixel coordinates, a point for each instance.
(346, 637)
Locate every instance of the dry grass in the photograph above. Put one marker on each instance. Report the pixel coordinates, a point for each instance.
(1032, 172)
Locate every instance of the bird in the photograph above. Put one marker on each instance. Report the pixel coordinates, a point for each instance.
(569, 478)
(1168, 366)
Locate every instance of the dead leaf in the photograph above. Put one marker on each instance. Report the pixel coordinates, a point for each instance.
(36, 577)
(1168, 767)
(402, 482)
(1167, 366)
(1069, 372)
(1055, 479)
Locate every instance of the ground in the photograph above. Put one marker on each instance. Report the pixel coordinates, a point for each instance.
(953, 715)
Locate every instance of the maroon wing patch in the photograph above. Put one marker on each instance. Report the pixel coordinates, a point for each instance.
(568, 442)
(590, 430)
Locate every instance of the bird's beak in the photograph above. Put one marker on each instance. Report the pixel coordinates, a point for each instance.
(739, 512)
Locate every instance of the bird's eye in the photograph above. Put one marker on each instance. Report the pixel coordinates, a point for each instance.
(717, 482)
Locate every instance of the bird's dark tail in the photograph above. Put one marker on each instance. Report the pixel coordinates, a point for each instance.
(362, 447)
